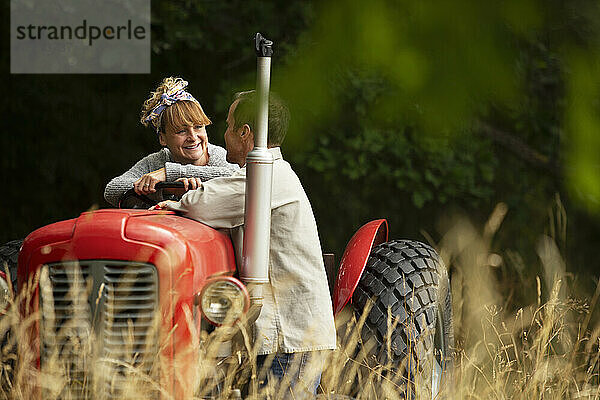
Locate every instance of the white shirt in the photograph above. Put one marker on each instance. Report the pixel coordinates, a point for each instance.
(297, 314)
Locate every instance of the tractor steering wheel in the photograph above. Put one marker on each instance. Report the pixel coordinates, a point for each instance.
(170, 191)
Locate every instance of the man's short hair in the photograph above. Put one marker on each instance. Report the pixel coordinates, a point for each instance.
(279, 115)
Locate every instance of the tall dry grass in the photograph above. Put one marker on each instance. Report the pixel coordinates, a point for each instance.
(548, 349)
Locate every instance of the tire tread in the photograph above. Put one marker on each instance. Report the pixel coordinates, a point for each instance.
(401, 276)
(9, 258)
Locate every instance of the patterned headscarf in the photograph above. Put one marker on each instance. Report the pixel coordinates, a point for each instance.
(174, 94)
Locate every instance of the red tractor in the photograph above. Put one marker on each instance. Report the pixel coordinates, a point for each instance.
(128, 266)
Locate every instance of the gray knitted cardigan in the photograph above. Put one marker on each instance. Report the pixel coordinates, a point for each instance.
(217, 166)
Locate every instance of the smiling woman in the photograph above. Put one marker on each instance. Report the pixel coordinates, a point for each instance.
(180, 123)
(182, 130)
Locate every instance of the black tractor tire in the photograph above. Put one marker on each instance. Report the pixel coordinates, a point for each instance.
(409, 322)
(9, 257)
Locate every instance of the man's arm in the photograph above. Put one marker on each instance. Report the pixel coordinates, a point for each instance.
(219, 203)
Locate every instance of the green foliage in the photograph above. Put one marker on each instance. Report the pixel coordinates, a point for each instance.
(388, 102)
(444, 65)
(583, 120)
(440, 61)
(424, 168)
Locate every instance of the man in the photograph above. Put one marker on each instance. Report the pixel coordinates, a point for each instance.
(296, 320)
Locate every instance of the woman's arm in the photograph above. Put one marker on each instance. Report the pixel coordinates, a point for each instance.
(120, 184)
(217, 166)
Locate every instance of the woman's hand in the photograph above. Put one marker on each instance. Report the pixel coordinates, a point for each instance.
(146, 183)
(190, 183)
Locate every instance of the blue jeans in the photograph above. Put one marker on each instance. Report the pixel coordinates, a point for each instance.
(290, 370)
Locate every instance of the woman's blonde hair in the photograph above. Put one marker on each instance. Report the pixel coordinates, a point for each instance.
(177, 115)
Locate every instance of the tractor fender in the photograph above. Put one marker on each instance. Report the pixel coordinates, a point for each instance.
(355, 259)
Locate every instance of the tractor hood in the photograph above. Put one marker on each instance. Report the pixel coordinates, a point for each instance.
(158, 237)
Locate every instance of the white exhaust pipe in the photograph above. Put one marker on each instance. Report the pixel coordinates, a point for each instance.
(259, 174)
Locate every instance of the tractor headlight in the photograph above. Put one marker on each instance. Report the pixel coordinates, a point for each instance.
(4, 294)
(224, 300)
